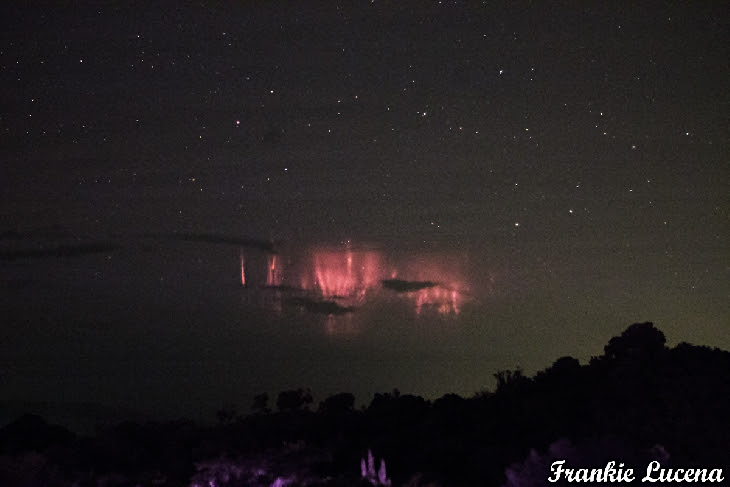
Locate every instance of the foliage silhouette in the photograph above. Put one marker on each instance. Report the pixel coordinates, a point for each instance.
(637, 401)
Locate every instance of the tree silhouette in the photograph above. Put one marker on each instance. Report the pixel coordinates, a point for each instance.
(639, 341)
(226, 415)
(639, 401)
(341, 403)
(261, 403)
(294, 400)
(509, 379)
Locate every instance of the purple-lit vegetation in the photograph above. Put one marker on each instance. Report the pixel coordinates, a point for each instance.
(368, 472)
(621, 406)
(265, 470)
(595, 455)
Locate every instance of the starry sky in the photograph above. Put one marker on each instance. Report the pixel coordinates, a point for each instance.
(544, 173)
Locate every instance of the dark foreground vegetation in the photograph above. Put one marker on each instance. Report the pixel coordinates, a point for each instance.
(640, 401)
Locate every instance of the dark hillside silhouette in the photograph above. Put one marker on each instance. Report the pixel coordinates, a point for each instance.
(639, 401)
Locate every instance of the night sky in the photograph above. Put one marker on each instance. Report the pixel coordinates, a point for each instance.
(527, 178)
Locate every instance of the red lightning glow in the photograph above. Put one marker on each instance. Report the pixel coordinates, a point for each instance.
(348, 274)
(354, 277)
(273, 277)
(243, 270)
